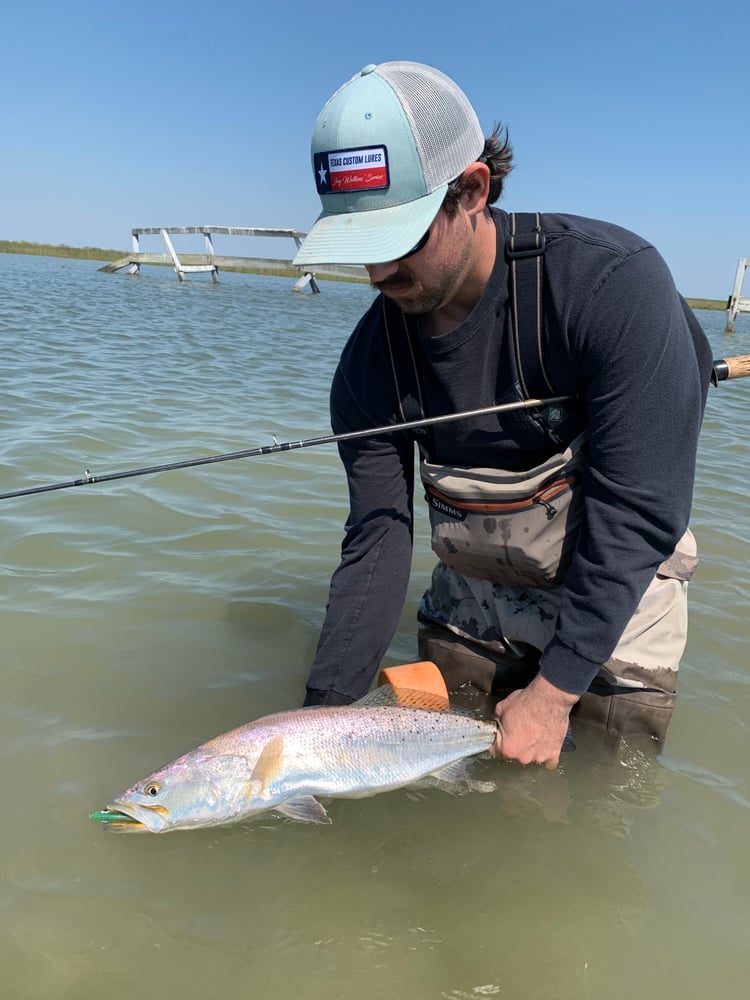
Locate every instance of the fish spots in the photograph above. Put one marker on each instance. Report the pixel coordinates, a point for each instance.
(490, 525)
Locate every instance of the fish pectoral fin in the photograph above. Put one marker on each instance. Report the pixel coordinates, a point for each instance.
(267, 766)
(454, 778)
(305, 808)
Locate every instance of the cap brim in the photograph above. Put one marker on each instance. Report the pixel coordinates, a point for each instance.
(372, 237)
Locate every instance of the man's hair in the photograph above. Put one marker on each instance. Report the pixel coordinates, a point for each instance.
(498, 155)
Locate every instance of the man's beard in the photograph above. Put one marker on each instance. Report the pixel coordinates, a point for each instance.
(414, 295)
(418, 300)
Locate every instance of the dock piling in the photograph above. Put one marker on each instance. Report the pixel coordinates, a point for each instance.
(736, 303)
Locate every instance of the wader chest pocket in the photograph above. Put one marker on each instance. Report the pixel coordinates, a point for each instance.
(507, 527)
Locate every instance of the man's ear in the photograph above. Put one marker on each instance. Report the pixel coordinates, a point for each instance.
(476, 181)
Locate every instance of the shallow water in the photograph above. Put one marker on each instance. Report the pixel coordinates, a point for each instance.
(144, 616)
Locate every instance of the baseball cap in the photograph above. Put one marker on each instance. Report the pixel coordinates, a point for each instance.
(384, 149)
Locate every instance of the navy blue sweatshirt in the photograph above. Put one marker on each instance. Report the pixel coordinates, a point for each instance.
(618, 336)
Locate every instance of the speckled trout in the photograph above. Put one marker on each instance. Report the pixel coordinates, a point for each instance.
(284, 761)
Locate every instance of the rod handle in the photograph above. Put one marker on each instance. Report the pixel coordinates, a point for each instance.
(737, 367)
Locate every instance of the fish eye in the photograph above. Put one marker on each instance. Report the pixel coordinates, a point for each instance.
(152, 789)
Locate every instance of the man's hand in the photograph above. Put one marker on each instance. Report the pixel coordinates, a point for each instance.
(532, 723)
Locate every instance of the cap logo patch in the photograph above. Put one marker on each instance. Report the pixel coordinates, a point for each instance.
(343, 171)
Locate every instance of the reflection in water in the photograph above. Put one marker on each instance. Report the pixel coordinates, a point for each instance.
(608, 780)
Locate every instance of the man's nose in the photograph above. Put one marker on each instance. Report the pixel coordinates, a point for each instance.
(379, 272)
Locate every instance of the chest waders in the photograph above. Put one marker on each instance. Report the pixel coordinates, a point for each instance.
(505, 540)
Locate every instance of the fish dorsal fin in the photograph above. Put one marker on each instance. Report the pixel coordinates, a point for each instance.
(305, 808)
(388, 696)
(267, 765)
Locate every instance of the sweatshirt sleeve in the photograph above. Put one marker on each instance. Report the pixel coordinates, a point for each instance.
(369, 586)
(646, 369)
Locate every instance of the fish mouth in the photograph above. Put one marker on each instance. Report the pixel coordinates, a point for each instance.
(132, 817)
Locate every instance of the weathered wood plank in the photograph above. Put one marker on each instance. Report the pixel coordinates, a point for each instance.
(237, 263)
(220, 230)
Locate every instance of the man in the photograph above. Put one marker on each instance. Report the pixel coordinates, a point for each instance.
(561, 531)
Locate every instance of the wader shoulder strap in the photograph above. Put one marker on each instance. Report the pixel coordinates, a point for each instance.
(400, 343)
(524, 251)
(410, 404)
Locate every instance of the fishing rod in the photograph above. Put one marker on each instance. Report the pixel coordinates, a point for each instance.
(728, 368)
(738, 367)
(272, 449)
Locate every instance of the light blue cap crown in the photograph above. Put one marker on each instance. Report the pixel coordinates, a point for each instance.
(384, 149)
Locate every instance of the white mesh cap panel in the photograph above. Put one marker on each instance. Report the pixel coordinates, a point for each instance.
(446, 130)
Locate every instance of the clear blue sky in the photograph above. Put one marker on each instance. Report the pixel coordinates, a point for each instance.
(166, 113)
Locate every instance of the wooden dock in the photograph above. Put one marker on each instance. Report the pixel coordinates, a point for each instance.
(210, 262)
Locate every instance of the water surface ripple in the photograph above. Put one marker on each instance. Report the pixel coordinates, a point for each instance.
(143, 616)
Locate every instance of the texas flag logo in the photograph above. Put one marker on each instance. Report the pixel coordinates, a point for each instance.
(347, 171)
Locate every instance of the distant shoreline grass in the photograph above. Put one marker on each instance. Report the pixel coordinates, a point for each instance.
(96, 253)
(718, 304)
(59, 250)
